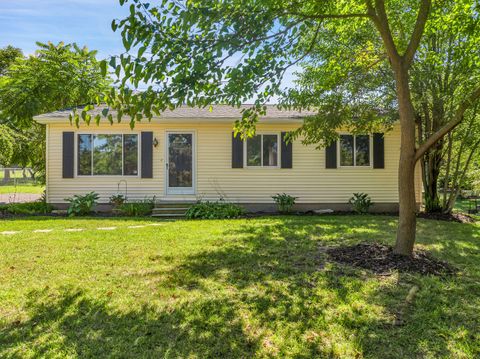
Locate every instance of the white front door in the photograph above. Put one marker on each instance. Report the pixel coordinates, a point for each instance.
(180, 162)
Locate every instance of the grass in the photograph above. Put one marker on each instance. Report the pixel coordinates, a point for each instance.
(232, 288)
(463, 205)
(21, 188)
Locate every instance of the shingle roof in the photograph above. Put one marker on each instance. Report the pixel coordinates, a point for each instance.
(185, 112)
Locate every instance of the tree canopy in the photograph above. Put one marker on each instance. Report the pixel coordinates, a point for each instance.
(57, 76)
(8, 55)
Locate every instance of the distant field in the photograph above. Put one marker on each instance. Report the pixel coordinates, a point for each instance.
(17, 183)
(21, 188)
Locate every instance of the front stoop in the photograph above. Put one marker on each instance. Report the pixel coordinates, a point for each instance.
(171, 209)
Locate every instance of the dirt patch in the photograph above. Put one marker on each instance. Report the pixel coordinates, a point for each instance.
(380, 259)
(452, 217)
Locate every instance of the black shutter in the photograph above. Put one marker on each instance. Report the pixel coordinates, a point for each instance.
(331, 155)
(378, 150)
(68, 150)
(237, 151)
(286, 152)
(147, 155)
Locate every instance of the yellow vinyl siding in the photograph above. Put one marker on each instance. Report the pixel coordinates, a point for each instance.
(309, 180)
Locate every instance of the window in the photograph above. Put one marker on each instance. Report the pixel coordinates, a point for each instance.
(107, 155)
(262, 151)
(355, 150)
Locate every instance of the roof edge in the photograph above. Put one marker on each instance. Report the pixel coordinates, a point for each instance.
(157, 120)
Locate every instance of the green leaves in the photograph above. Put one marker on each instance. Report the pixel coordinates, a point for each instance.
(141, 51)
(59, 76)
(8, 143)
(103, 67)
(192, 48)
(112, 62)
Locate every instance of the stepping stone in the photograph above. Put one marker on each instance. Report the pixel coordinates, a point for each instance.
(106, 228)
(9, 233)
(136, 227)
(323, 211)
(73, 229)
(42, 230)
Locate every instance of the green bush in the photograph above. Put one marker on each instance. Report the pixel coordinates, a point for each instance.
(82, 205)
(214, 210)
(136, 209)
(118, 199)
(360, 202)
(284, 202)
(29, 208)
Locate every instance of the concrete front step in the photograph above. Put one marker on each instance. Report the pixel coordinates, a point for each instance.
(174, 204)
(171, 209)
(168, 215)
(175, 210)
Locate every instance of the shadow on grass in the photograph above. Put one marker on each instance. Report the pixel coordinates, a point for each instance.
(267, 289)
(285, 281)
(72, 323)
(18, 218)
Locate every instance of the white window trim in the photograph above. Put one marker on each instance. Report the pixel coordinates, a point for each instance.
(113, 134)
(279, 152)
(370, 152)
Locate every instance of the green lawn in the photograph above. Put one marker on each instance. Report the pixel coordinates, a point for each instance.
(463, 205)
(230, 289)
(21, 188)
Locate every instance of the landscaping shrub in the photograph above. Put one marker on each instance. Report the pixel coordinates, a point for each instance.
(117, 199)
(284, 202)
(360, 202)
(30, 208)
(214, 210)
(82, 205)
(136, 209)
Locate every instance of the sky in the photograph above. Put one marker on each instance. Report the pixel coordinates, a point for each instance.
(86, 22)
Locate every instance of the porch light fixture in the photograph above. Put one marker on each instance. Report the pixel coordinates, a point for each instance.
(155, 142)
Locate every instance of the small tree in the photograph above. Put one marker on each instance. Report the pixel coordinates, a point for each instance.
(56, 77)
(463, 158)
(8, 55)
(7, 145)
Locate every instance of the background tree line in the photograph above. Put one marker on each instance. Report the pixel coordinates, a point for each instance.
(56, 76)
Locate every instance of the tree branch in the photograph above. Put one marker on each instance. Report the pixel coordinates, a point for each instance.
(379, 18)
(422, 17)
(457, 119)
(326, 16)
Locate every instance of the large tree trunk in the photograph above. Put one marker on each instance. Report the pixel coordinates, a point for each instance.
(406, 170)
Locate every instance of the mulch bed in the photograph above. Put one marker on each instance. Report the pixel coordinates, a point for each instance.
(452, 217)
(380, 259)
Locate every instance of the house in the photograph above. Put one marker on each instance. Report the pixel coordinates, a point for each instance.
(190, 154)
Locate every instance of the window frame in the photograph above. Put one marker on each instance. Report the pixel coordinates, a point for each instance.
(139, 139)
(370, 152)
(279, 151)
